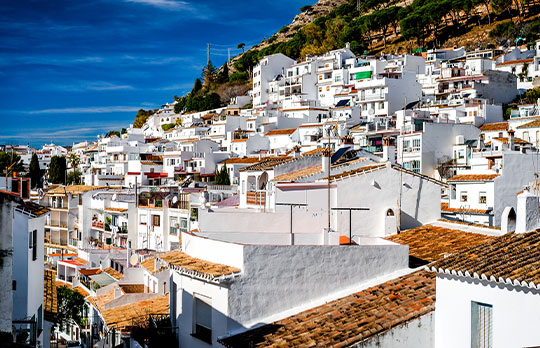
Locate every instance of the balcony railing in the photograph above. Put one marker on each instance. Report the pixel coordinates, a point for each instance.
(256, 198)
(98, 224)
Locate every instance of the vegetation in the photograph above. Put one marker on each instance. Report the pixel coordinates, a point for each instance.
(222, 176)
(74, 177)
(532, 95)
(57, 170)
(35, 173)
(305, 8)
(167, 126)
(70, 306)
(9, 159)
(111, 133)
(141, 117)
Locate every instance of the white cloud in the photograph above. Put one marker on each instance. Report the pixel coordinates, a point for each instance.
(107, 86)
(165, 4)
(85, 110)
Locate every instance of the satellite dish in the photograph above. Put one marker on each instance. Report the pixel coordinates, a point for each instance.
(114, 197)
(175, 199)
(133, 260)
(371, 112)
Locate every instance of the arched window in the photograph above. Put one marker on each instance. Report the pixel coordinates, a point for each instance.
(389, 212)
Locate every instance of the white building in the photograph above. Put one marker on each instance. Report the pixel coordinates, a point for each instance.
(267, 70)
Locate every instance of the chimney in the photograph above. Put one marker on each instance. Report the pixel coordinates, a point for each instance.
(296, 151)
(511, 139)
(347, 140)
(528, 214)
(389, 150)
(117, 292)
(480, 145)
(325, 161)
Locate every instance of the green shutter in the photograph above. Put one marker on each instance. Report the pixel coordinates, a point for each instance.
(363, 75)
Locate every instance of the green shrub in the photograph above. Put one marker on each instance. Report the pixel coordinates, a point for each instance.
(283, 30)
(505, 29)
(305, 8)
(239, 76)
(167, 126)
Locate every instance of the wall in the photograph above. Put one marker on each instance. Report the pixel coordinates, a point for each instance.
(515, 312)
(6, 263)
(418, 333)
(302, 274)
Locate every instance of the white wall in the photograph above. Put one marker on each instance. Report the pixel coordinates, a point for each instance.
(515, 312)
(6, 263)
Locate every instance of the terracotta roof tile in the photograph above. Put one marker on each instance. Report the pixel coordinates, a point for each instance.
(101, 300)
(74, 189)
(185, 263)
(507, 259)
(238, 160)
(120, 210)
(239, 140)
(313, 152)
(34, 208)
(149, 264)
(533, 124)
(281, 132)
(516, 140)
(473, 177)
(498, 126)
(517, 61)
(348, 320)
(113, 273)
(446, 208)
(267, 163)
(125, 317)
(90, 271)
(356, 171)
(431, 243)
(299, 174)
(134, 288)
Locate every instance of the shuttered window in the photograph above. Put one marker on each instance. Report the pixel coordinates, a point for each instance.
(203, 319)
(481, 325)
(34, 245)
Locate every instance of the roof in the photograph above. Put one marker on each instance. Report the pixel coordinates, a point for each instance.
(299, 174)
(90, 271)
(512, 259)
(127, 316)
(516, 140)
(239, 140)
(149, 264)
(74, 189)
(357, 171)
(315, 151)
(499, 126)
(532, 124)
(76, 261)
(188, 264)
(119, 210)
(50, 302)
(517, 61)
(348, 320)
(446, 208)
(431, 243)
(267, 164)
(102, 279)
(281, 132)
(113, 273)
(473, 177)
(33, 208)
(238, 160)
(102, 299)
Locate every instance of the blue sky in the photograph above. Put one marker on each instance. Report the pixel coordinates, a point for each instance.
(71, 70)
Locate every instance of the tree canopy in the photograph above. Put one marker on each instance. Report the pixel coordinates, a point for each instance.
(57, 170)
(35, 173)
(70, 306)
(7, 159)
(222, 176)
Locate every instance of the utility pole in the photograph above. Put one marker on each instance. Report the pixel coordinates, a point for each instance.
(208, 54)
(329, 154)
(229, 55)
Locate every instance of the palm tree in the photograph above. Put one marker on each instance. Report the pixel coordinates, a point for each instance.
(74, 162)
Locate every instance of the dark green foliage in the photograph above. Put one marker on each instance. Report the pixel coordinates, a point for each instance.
(111, 133)
(503, 30)
(123, 131)
(305, 8)
(180, 105)
(70, 306)
(223, 75)
(57, 170)
(197, 86)
(532, 95)
(241, 46)
(272, 39)
(222, 176)
(35, 173)
(284, 29)
(141, 117)
(201, 103)
(74, 177)
(7, 159)
(239, 76)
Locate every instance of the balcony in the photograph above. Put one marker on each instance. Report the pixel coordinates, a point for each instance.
(98, 225)
(256, 198)
(56, 224)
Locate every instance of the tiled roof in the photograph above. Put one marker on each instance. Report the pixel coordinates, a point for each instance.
(90, 271)
(446, 208)
(149, 265)
(348, 320)
(498, 126)
(357, 171)
(133, 288)
(239, 140)
(187, 264)
(315, 151)
(238, 160)
(532, 124)
(267, 164)
(76, 261)
(120, 210)
(281, 132)
(473, 177)
(431, 243)
(311, 125)
(82, 291)
(133, 314)
(50, 302)
(113, 273)
(299, 174)
(516, 140)
(101, 300)
(33, 208)
(512, 259)
(517, 61)
(74, 189)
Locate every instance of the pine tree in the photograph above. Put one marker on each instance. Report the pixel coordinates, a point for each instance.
(35, 172)
(57, 170)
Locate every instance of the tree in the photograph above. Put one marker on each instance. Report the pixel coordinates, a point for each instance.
(74, 178)
(222, 176)
(209, 74)
(141, 117)
(197, 86)
(57, 170)
(241, 46)
(223, 75)
(74, 160)
(70, 306)
(35, 173)
(123, 131)
(10, 159)
(111, 133)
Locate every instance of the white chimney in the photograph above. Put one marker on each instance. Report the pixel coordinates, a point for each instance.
(389, 150)
(460, 140)
(325, 161)
(528, 212)
(511, 139)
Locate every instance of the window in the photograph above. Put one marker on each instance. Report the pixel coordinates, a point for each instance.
(463, 196)
(481, 325)
(183, 225)
(34, 245)
(381, 105)
(173, 226)
(483, 198)
(155, 220)
(416, 144)
(203, 320)
(143, 219)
